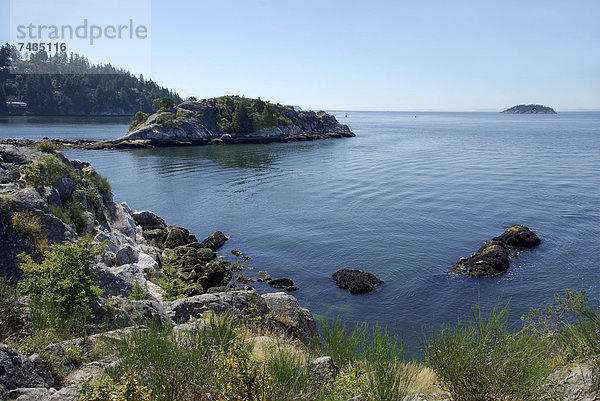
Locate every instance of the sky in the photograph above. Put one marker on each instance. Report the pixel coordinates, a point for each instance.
(350, 55)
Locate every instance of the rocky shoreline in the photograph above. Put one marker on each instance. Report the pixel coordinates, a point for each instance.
(68, 200)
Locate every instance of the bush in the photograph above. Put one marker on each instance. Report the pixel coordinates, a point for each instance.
(46, 146)
(140, 118)
(138, 293)
(53, 168)
(63, 279)
(60, 213)
(31, 174)
(239, 377)
(106, 389)
(482, 361)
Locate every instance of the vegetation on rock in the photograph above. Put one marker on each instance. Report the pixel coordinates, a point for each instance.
(529, 109)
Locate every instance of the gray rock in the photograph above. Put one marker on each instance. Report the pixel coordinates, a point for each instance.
(30, 199)
(146, 312)
(69, 393)
(324, 368)
(16, 371)
(182, 310)
(65, 187)
(298, 321)
(176, 236)
(126, 255)
(30, 394)
(8, 173)
(148, 220)
(41, 370)
(119, 219)
(52, 196)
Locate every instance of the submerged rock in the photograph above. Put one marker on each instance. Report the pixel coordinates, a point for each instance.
(355, 280)
(493, 257)
(283, 283)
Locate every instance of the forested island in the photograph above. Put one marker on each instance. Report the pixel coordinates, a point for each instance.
(62, 84)
(529, 109)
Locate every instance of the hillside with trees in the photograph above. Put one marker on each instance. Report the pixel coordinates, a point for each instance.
(62, 84)
(529, 109)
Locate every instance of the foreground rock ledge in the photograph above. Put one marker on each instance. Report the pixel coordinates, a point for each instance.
(493, 258)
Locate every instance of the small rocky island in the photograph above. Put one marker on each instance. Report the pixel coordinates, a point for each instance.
(226, 120)
(529, 109)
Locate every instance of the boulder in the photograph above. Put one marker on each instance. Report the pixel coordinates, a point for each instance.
(355, 280)
(489, 260)
(119, 219)
(214, 241)
(31, 394)
(237, 302)
(148, 220)
(324, 369)
(146, 312)
(295, 320)
(126, 255)
(16, 371)
(176, 236)
(519, 237)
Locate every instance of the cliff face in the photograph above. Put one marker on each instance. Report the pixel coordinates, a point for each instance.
(232, 119)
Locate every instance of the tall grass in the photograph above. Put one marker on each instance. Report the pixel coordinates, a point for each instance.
(482, 360)
(177, 365)
(291, 372)
(342, 345)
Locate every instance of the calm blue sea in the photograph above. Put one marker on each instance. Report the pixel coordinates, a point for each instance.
(410, 195)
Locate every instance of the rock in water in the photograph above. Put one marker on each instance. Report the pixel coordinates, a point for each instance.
(355, 280)
(492, 258)
(489, 260)
(215, 241)
(519, 237)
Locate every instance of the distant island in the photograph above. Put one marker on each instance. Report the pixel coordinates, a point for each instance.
(64, 84)
(529, 109)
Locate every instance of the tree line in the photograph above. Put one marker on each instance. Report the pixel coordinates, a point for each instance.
(62, 84)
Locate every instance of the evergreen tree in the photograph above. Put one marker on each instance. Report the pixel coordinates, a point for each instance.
(242, 122)
(268, 118)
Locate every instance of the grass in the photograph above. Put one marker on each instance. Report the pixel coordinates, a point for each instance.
(30, 227)
(482, 360)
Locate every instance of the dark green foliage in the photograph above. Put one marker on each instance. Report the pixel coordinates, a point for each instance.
(192, 98)
(59, 84)
(268, 118)
(242, 121)
(63, 279)
(530, 109)
(163, 104)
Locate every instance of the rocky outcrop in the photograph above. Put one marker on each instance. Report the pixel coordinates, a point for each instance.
(529, 109)
(212, 121)
(298, 321)
(355, 280)
(493, 257)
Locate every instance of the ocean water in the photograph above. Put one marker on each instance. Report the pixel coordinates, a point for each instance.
(406, 198)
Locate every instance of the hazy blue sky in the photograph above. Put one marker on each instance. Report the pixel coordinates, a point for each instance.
(374, 55)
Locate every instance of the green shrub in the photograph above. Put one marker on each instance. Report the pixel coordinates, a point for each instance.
(482, 361)
(77, 216)
(46, 146)
(138, 293)
(349, 383)
(12, 312)
(63, 279)
(140, 118)
(238, 377)
(31, 174)
(163, 119)
(106, 389)
(53, 168)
